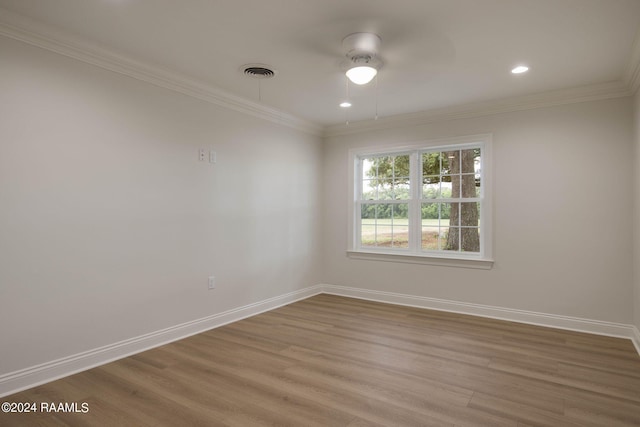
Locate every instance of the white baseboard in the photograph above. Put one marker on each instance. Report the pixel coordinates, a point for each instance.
(23, 379)
(635, 339)
(596, 327)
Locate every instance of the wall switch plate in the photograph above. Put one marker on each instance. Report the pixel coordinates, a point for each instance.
(212, 282)
(213, 157)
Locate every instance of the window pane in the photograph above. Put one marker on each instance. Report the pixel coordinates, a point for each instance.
(431, 190)
(368, 224)
(384, 165)
(368, 168)
(446, 186)
(435, 224)
(470, 240)
(400, 177)
(385, 225)
(449, 241)
(450, 162)
(400, 226)
(430, 164)
(369, 180)
(400, 237)
(401, 167)
(451, 212)
(468, 185)
(430, 211)
(368, 232)
(401, 191)
(369, 190)
(467, 165)
(469, 214)
(435, 211)
(386, 178)
(430, 179)
(430, 238)
(385, 189)
(431, 225)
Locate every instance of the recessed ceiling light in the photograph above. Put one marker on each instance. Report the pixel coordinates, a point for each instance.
(345, 104)
(520, 69)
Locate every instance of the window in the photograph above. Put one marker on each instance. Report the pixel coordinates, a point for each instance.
(429, 201)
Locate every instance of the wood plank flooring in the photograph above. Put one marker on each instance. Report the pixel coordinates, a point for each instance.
(335, 361)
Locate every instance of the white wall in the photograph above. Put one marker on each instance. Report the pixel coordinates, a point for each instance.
(109, 224)
(636, 211)
(562, 225)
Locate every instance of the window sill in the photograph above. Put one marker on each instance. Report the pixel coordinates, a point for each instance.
(483, 264)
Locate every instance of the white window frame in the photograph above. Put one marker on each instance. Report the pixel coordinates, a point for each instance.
(414, 253)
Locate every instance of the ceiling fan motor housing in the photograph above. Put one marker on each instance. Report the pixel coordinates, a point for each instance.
(362, 49)
(361, 45)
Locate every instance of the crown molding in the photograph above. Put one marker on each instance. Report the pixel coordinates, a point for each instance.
(20, 28)
(631, 74)
(40, 35)
(540, 100)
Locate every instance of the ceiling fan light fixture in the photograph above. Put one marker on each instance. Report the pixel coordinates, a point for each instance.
(361, 74)
(362, 63)
(520, 69)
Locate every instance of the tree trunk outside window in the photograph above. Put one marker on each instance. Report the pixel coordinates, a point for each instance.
(466, 214)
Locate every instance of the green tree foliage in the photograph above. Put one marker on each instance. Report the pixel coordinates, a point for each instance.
(385, 211)
(436, 210)
(390, 170)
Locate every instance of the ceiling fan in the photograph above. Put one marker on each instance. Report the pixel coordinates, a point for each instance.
(363, 62)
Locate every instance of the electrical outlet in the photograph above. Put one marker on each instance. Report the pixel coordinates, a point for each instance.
(212, 282)
(201, 154)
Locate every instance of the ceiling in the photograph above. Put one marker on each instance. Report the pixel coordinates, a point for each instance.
(436, 53)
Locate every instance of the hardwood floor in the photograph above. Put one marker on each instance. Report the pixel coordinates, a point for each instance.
(335, 361)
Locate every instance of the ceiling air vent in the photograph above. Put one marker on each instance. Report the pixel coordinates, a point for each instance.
(258, 71)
